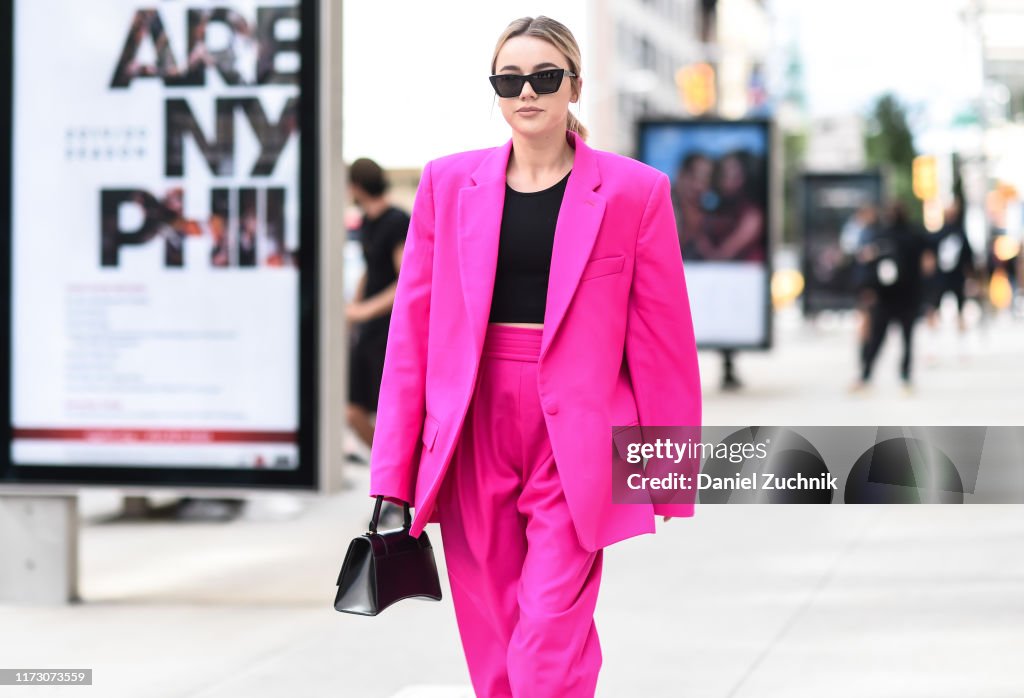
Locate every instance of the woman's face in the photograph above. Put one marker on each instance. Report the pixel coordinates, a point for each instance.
(531, 114)
(695, 180)
(731, 177)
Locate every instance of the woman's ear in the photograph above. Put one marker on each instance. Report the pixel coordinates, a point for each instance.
(578, 88)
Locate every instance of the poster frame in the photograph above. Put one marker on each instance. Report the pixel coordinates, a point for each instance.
(309, 473)
(771, 219)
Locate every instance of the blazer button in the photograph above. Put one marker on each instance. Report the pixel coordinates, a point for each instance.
(551, 407)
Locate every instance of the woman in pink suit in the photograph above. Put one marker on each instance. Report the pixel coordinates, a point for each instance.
(540, 303)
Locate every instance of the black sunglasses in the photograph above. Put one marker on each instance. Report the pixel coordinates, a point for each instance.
(543, 83)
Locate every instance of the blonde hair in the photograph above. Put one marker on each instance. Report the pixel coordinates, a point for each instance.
(559, 36)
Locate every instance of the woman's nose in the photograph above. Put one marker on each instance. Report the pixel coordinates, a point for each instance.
(527, 91)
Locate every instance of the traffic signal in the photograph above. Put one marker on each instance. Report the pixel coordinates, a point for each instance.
(696, 85)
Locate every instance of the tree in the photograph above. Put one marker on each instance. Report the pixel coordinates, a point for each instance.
(889, 145)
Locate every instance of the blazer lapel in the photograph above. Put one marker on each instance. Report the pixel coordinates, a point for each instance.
(479, 215)
(480, 209)
(579, 220)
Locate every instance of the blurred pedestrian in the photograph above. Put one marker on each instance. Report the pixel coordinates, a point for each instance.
(383, 231)
(854, 239)
(954, 262)
(896, 256)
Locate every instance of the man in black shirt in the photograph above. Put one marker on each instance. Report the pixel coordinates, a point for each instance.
(383, 231)
(896, 256)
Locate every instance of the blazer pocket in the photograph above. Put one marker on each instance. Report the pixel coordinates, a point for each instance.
(430, 427)
(603, 266)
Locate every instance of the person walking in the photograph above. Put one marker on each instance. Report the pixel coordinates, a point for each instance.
(897, 255)
(382, 233)
(954, 258)
(542, 301)
(855, 240)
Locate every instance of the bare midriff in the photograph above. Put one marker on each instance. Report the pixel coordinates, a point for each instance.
(537, 325)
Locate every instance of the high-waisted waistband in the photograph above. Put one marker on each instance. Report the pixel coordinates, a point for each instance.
(509, 342)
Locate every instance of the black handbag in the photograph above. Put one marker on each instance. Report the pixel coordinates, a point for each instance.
(383, 568)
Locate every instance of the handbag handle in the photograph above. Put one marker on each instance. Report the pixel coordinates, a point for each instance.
(376, 514)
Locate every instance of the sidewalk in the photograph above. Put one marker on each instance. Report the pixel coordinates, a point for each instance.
(740, 601)
(977, 379)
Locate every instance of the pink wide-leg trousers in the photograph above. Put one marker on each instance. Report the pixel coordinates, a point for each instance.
(523, 587)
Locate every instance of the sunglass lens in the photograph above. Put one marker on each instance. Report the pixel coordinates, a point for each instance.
(508, 85)
(546, 82)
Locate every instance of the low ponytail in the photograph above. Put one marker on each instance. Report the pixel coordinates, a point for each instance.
(574, 124)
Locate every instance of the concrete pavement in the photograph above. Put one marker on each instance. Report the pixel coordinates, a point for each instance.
(740, 601)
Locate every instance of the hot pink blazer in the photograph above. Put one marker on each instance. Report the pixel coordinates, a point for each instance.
(617, 345)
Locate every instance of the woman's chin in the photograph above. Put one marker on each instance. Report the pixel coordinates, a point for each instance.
(533, 129)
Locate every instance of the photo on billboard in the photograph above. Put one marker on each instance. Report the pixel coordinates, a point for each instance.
(834, 211)
(160, 243)
(719, 171)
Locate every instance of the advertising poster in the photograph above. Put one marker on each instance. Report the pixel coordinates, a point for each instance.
(154, 266)
(720, 189)
(834, 215)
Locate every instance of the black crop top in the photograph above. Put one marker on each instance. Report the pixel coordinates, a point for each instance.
(524, 253)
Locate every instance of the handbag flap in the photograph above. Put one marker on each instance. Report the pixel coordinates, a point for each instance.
(408, 570)
(395, 542)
